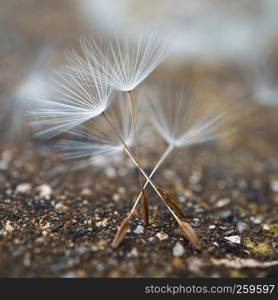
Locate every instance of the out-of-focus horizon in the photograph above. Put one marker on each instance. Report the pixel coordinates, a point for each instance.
(210, 34)
(201, 30)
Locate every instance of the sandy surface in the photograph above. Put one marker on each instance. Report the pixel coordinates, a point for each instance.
(56, 222)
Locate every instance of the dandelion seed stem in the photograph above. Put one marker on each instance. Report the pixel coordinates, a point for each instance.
(138, 164)
(144, 203)
(135, 136)
(161, 160)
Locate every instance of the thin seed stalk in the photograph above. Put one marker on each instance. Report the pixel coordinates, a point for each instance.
(143, 197)
(161, 160)
(121, 232)
(131, 155)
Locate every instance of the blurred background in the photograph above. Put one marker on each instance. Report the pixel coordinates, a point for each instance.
(214, 34)
(227, 46)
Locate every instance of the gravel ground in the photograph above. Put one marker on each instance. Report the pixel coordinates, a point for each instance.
(56, 222)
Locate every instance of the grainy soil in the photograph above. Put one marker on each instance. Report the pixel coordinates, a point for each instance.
(57, 222)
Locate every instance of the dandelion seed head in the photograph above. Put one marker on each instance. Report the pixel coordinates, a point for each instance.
(76, 99)
(96, 140)
(122, 65)
(177, 117)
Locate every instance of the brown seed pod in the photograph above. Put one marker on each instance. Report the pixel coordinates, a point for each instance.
(171, 202)
(189, 233)
(121, 232)
(145, 207)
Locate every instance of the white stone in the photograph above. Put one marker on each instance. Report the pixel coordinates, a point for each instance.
(234, 239)
(60, 206)
(266, 227)
(116, 197)
(162, 235)
(23, 188)
(212, 227)
(256, 220)
(274, 186)
(44, 190)
(223, 202)
(111, 172)
(134, 252)
(102, 223)
(9, 227)
(178, 250)
(139, 229)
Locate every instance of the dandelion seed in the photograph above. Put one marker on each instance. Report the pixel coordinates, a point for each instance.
(123, 66)
(180, 121)
(176, 117)
(78, 151)
(78, 99)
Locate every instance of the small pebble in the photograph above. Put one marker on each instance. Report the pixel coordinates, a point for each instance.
(27, 260)
(86, 192)
(102, 222)
(121, 190)
(116, 197)
(178, 250)
(9, 227)
(212, 227)
(162, 235)
(134, 252)
(69, 275)
(224, 213)
(241, 226)
(100, 267)
(266, 227)
(111, 172)
(139, 229)
(256, 220)
(23, 188)
(151, 239)
(44, 190)
(235, 239)
(60, 206)
(4, 165)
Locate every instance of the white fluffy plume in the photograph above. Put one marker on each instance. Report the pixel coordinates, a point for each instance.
(78, 98)
(182, 120)
(123, 65)
(96, 139)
